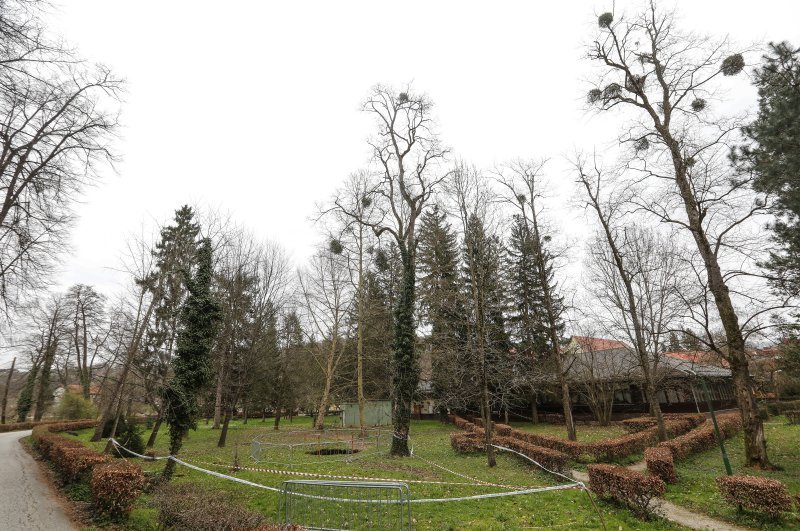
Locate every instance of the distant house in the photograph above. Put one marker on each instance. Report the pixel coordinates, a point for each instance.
(58, 394)
(618, 368)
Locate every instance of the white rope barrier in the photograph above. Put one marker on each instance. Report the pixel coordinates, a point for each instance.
(422, 500)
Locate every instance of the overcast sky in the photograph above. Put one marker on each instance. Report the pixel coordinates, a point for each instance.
(252, 107)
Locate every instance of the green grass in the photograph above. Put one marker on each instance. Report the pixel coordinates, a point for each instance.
(585, 434)
(697, 489)
(567, 509)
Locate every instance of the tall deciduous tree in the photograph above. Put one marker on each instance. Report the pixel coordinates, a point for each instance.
(667, 79)
(407, 153)
(522, 181)
(58, 119)
(192, 364)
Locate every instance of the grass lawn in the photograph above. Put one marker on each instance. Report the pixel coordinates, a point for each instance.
(567, 509)
(697, 489)
(585, 433)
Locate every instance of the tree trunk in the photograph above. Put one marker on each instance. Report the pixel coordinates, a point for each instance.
(244, 415)
(487, 421)
(224, 433)
(5, 392)
(405, 372)
(277, 426)
(153, 434)
(534, 411)
(218, 401)
(360, 345)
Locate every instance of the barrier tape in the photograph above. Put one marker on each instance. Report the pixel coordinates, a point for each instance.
(345, 500)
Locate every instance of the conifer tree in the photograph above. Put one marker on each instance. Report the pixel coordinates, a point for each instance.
(192, 365)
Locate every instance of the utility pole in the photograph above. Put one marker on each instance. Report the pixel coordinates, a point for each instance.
(5, 392)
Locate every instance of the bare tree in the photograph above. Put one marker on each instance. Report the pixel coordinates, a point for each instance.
(523, 182)
(326, 294)
(407, 152)
(58, 118)
(669, 80)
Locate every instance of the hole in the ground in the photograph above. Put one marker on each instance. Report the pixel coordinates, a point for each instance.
(334, 451)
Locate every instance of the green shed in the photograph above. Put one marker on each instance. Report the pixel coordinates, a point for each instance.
(376, 413)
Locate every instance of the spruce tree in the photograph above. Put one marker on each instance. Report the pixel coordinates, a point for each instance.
(774, 155)
(192, 367)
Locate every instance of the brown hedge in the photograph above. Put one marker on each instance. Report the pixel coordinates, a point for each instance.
(793, 415)
(642, 423)
(660, 463)
(703, 437)
(115, 487)
(466, 442)
(632, 488)
(503, 430)
(547, 457)
(184, 506)
(759, 494)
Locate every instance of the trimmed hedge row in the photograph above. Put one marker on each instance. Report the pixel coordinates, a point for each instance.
(115, 485)
(609, 449)
(632, 488)
(660, 463)
(761, 494)
(19, 426)
(637, 424)
(547, 457)
(703, 437)
(466, 442)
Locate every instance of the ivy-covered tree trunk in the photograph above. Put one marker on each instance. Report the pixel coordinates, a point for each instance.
(25, 400)
(405, 374)
(192, 368)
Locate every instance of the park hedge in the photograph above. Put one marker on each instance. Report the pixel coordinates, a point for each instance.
(757, 493)
(548, 458)
(626, 486)
(660, 463)
(19, 426)
(115, 486)
(703, 437)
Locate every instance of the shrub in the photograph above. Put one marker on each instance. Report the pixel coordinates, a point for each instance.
(178, 506)
(660, 463)
(73, 406)
(74, 463)
(632, 488)
(115, 487)
(122, 426)
(130, 438)
(546, 457)
(793, 415)
(466, 442)
(461, 423)
(760, 494)
(703, 437)
(504, 430)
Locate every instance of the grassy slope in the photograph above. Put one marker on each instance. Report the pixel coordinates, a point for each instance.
(697, 489)
(569, 509)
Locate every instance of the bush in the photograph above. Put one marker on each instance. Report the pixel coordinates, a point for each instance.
(131, 438)
(634, 489)
(793, 415)
(122, 426)
(638, 424)
(115, 487)
(187, 507)
(660, 463)
(75, 463)
(546, 457)
(703, 437)
(760, 494)
(467, 442)
(73, 406)
(504, 430)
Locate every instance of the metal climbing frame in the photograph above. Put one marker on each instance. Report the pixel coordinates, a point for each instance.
(340, 505)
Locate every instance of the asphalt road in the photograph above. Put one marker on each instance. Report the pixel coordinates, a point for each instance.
(26, 499)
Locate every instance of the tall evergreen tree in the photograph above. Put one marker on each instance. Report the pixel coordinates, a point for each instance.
(174, 255)
(442, 304)
(527, 318)
(192, 365)
(774, 155)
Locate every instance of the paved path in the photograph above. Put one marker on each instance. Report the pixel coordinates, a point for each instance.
(676, 513)
(26, 499)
